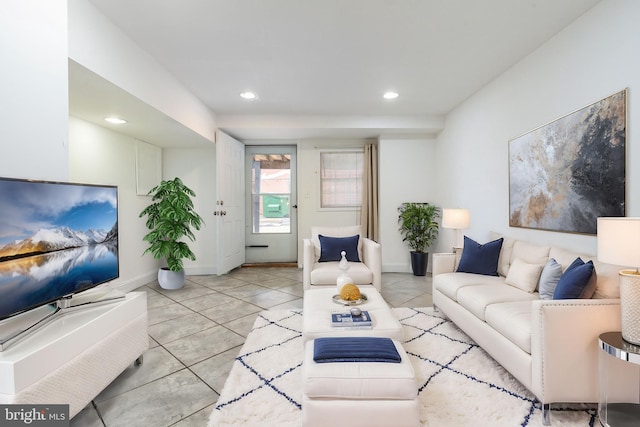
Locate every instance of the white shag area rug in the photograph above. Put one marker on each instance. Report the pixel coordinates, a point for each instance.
(459, 384)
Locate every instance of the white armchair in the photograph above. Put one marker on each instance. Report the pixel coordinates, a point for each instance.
(368, 271)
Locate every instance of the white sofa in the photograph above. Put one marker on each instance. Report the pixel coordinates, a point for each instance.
(550, 346)
(368, 271)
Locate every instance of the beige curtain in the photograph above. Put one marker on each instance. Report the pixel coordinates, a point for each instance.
(369, 214)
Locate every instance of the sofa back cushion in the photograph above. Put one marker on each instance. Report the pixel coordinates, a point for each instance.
(513, 249)
(504, 260)
(530, 253)
(607, 284)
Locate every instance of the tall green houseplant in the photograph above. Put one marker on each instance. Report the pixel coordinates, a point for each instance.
(419, 228)
(170, 218)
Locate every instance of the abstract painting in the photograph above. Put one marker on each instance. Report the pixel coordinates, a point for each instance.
(566, 174)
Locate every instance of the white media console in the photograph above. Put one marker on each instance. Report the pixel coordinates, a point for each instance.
(76, 355)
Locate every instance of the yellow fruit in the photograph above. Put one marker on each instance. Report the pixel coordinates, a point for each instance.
(350, 292)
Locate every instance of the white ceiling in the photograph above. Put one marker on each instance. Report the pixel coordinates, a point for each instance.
(320, 67)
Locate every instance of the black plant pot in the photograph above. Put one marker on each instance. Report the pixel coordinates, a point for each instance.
(419, 262)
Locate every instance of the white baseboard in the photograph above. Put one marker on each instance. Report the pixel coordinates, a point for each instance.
(396, 268)
(141, 280)
(201, 270)
(136, 282)
(400, 268)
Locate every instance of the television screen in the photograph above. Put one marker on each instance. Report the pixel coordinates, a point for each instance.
(56, 239)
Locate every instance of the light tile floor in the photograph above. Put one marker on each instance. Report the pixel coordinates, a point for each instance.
(196, 332)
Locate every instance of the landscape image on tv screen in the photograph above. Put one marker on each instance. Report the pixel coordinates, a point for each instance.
(56, 239)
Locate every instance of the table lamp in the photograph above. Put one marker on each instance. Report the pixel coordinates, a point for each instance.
(619, 244)
(457, 219)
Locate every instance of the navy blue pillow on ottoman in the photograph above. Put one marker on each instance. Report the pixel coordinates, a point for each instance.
(355, 349)
(480, 259)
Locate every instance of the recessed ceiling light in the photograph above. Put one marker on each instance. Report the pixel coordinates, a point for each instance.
(115, 120)
(248, 95)
(390, 95)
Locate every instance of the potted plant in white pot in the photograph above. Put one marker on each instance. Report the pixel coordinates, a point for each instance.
(170, 218)
(419, 229)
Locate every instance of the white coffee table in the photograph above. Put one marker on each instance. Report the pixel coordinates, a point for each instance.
(318, 304)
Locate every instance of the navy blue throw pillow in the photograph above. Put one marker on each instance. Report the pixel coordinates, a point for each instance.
(355, 349)
(480, 259)
(331, 247)
(574, 280)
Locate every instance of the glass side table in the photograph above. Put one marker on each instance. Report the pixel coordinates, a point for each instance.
(617, 414)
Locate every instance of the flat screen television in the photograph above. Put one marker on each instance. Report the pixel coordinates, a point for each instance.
(56, 239)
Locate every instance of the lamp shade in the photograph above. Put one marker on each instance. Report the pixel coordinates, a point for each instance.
(455, 218)
(619, 241)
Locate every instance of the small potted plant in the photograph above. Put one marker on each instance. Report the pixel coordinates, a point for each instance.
(170, 218)
(419, 229)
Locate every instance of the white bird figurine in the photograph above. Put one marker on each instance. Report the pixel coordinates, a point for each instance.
(344, 264)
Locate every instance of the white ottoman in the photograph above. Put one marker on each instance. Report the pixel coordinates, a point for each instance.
(359, 394)
(318, 305)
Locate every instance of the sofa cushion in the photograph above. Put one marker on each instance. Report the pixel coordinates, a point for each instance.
(578, 281)
(504, 260)
(332, 247)
(477, 298)
(549, 278)
(325, 273)
(450, 283)
(513, 321)
(608, 281)
(480, 259)
(523, 275)
(528, 252)
(565, 258)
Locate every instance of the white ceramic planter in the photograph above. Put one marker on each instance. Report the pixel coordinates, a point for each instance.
(170, 279)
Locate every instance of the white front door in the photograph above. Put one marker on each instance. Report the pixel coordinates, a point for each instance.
(229, 203)
(271, 210)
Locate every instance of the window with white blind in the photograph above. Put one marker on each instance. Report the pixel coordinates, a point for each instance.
(341, 179)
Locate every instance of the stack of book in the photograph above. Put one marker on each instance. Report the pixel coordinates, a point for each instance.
(348, 320)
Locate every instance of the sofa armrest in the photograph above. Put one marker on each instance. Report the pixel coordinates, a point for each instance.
(564, 347)
(308, 259)
(372, 258)
(443, 263)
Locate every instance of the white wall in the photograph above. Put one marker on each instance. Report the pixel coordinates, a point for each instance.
(309, 211)
(97, 44)
(197, 169)
(34, 90)
(594, 57)
(100, 156)
(407, 174)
